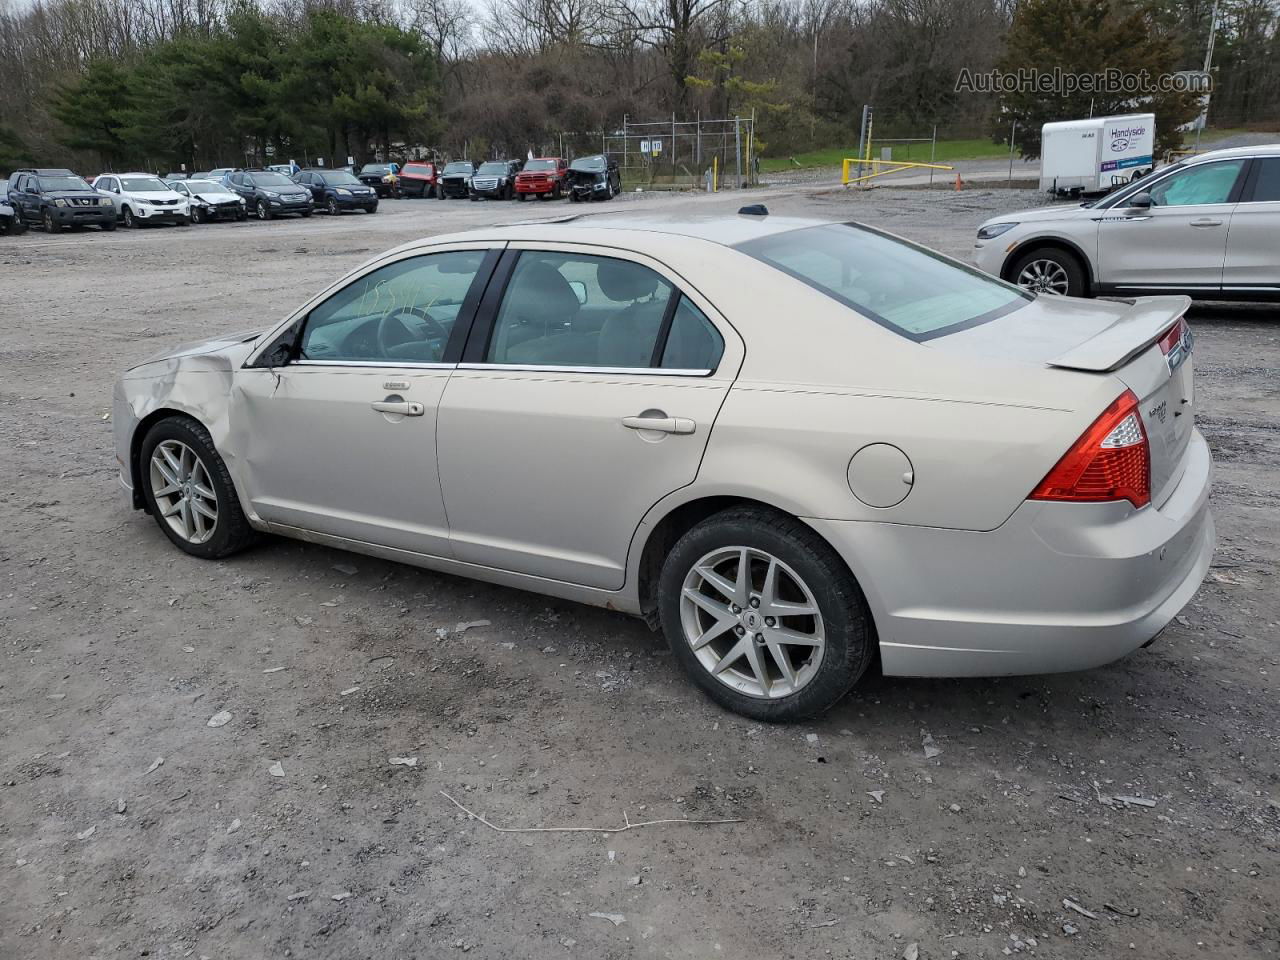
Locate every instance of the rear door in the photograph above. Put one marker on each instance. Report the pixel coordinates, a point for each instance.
(587, 393)
(1253, 244)
(1180, 242)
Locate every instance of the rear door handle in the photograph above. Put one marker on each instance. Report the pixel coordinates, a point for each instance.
(406, 408)
(1206, 222)
(661, 424)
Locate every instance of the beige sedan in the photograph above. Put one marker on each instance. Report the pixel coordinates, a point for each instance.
(792, 445)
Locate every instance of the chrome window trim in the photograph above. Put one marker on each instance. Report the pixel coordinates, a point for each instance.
(407, 365)
(549, 368)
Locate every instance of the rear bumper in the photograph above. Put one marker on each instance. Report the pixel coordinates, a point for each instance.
(1058, 587)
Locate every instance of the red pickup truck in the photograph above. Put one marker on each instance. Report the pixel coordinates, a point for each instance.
(543, 177)
(420, 180)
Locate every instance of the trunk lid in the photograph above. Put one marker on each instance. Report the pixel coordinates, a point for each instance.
(1121, 339)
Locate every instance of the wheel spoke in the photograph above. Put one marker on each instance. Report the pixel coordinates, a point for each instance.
(783, 661)
(743, 589)
(726, 587)
(203, 509)
(172, 488)
(713, 631)
(184, 512)
(755, 657)
(172, 508)
(770, 588)
(170, 475)
(791, 637)
(783, 609)
(174, 464)
(714, 607)
(733, 656)
(206, 492)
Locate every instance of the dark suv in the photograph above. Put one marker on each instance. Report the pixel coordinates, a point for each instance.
(58, 198)
(455, 179)
(495, 180)
(270, 194)
(336, 190)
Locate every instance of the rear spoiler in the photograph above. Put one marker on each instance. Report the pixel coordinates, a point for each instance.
(1133, 331)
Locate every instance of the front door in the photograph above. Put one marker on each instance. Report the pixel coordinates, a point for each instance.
(586, 395)
(1180, 241)
(341, 439)
(1253, 245)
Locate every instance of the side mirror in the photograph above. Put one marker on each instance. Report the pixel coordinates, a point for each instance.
(1141, 200)
(579, 291)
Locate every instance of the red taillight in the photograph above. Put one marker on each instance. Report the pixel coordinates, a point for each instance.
(1111, 461)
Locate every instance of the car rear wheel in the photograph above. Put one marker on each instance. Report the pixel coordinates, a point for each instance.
(189, 490)
(1049, 270)
(763, 615)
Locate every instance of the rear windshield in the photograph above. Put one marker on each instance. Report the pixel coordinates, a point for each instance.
(539, 165)
(908, 289)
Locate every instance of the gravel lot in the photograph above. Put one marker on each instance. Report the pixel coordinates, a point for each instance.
(117, 650)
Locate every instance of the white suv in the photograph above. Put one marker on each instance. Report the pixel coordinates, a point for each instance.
(142, 198)
(1207, 226)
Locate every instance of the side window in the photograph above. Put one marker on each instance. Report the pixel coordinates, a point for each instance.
(246, 180)
(400, 313)
(1266, 188)
(1204, 183)
(576, 310)
(694, 343)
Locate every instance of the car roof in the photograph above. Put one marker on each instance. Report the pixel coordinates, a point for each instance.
(644, 235)
(1257, 150)
(48, 171)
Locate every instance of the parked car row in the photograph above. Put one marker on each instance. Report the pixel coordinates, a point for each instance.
(544, 178)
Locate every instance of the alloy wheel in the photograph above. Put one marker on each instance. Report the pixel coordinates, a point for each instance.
(263, 212)
(183, 492)
(1044, 276)
(332, 207)
(752, 622)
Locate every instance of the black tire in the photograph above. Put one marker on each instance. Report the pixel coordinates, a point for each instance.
(129, 220)
(50, 225)
(108, 226)
(184, 221)
(1076, 282)
(331, 207)
(848, 628)
(372, 208)
(307, 213)
(196, 216)
(439, 192)
(231, 531)
(242, 215)
(263, 211)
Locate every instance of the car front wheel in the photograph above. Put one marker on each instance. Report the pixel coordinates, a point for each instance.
(129, 219)
(50, 225)
(764, 616)
(264, 212)
(189, 490)
(1049, 270)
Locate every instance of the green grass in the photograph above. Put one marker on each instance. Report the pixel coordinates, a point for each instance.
(947, 150)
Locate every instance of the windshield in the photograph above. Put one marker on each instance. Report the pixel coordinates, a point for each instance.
(908, 289)
(491, 168)
(272, 180)
(63, 183)
(143, 185)
(205, 186)
(540, 165)
(375, 168)
(338, 177)
(589, 164)
(459, 166)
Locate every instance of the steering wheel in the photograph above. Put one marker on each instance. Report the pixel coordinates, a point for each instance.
(393, 331)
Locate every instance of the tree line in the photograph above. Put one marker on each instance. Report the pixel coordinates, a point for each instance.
(154, 83)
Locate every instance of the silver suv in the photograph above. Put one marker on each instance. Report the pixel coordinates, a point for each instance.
(1207, 226)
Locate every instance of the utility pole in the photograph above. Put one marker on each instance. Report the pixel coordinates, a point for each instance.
(1208, 65)
(1013, 132)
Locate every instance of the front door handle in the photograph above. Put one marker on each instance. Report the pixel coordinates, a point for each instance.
(406, 408)
(661, 424)
(1206, 222)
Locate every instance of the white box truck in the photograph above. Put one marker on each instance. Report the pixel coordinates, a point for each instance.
(1095, 155)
